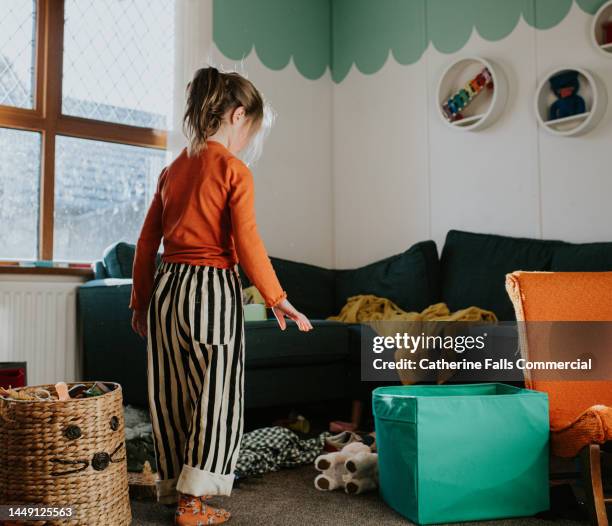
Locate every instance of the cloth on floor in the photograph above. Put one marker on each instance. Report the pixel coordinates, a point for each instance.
(261, 451)
(272, 448)
(138, 439)
(387, 319)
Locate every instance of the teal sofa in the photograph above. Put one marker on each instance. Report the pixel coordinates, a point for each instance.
(288, 368)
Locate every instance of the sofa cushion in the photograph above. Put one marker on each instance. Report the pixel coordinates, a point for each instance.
(268, 346)
(309, 288)
(474, 268)
(410, 279)
(587, 257)
(119, 259)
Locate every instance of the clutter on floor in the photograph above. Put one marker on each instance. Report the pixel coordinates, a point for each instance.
(272, 448)
(143, 484)
(295, 422)
(455, 453)
(337, 442)
(337, 426)
(261, 451)
(139, 445)
(63, 451)
(354, 468)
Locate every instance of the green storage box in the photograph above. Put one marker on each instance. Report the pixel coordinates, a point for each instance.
(451, 453)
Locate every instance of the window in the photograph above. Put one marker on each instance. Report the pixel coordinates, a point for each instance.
(17, 25)
(19, 192)
(101, 188)
(85, 102)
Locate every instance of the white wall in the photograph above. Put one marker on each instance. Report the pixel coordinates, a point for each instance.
(401, 175)
(293, 179)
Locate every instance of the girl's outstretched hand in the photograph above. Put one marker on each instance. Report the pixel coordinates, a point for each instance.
(139, 323)
(284, 308)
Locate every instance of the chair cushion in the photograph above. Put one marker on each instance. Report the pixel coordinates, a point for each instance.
(594, 426)
(410, 279)
(587, 257)
(561, 297)
(268, 346)
(474, 268)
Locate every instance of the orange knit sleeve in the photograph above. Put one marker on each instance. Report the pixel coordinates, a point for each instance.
(251, 251)
(143, 273)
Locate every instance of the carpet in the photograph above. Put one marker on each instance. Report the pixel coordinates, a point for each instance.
(288, 498)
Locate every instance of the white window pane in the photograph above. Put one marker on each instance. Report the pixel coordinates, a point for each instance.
(19, 193)
(102, 192)
(17, 29)
(118, 61)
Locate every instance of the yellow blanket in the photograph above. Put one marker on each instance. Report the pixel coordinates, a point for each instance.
(367, 307)
(380, 313)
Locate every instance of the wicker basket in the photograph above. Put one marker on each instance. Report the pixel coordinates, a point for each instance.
(66, 453)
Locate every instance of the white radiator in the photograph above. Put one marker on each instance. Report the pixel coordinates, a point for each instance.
(38, 326)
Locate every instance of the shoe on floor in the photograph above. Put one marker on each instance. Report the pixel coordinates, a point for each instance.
(194, 511)
(337, 442)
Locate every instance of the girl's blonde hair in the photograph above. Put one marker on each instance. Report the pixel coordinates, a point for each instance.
(210, 95)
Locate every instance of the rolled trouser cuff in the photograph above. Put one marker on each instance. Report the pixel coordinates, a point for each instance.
(198, 482)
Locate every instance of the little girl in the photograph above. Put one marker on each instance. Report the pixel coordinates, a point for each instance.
(191, 308)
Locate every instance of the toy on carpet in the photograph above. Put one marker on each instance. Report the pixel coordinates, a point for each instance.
(354, 468)
(465, 96)
(335, 443)
(565, 86)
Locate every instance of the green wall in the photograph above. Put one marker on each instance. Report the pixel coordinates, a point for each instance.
(278, 30)
(338, 33)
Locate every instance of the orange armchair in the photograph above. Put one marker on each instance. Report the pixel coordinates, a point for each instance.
(580, 411)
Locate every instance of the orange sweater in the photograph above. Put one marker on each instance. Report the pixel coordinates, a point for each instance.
(203, 209)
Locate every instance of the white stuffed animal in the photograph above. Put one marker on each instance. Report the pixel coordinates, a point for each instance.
(354, 467)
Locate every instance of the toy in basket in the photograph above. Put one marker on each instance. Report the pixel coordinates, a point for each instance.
(66, 451)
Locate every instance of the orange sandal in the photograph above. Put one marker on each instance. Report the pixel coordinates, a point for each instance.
(193, 511)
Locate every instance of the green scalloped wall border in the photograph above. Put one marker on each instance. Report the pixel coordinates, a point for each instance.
(335, 34)
(278, 30)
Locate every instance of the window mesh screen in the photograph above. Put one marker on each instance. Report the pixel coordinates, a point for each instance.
(17, 30)
(118, 61)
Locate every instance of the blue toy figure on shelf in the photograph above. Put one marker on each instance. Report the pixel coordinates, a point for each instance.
(565, 85)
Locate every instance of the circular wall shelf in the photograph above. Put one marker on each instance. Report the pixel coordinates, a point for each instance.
(591, 90)
(480, 90)
(601, 29)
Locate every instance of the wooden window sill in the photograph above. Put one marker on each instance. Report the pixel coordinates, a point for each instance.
(48, 271)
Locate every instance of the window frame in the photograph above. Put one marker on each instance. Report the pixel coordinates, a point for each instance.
(47, 119)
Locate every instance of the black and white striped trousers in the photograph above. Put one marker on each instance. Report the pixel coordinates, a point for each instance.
(196, 378)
